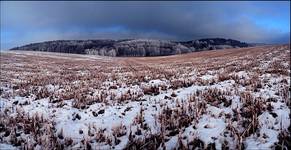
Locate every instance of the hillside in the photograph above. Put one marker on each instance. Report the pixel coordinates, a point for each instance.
(134, 47)
(219, 99)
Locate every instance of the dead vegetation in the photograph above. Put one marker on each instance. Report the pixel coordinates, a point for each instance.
(213, 79)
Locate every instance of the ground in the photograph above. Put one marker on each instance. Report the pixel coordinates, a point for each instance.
(219, 99)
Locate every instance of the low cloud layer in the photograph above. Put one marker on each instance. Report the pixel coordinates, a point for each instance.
(26, 22)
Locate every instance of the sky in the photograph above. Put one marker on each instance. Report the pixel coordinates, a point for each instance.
(256, 22)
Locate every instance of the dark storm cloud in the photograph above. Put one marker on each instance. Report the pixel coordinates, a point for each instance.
(23, 22)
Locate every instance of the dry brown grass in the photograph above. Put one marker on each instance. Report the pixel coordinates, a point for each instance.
(82, 79)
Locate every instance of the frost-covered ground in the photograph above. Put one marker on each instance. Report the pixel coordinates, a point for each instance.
(221, 99)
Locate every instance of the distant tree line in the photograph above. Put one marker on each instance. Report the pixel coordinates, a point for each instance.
(131, 47)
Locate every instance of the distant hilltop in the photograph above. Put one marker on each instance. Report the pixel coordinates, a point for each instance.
(132, 47)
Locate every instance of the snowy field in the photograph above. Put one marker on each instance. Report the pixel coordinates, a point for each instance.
(220, 99)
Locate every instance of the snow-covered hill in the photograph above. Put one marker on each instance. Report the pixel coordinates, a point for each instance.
(220, 99)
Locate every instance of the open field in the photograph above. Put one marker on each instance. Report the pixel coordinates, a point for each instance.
(220, 99)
